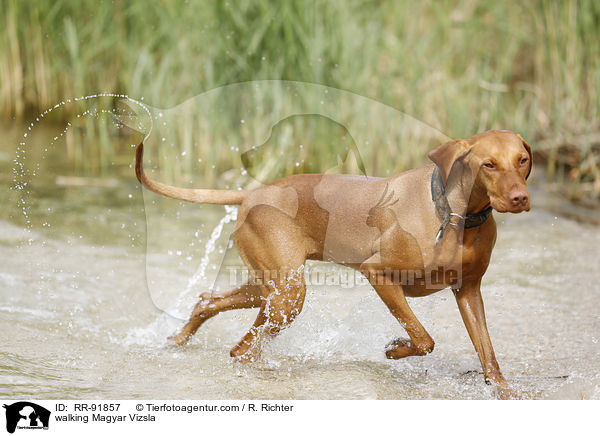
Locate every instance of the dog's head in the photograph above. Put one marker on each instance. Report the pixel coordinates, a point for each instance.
(500, 161)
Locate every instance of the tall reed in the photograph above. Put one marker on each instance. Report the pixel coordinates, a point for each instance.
(462, 67)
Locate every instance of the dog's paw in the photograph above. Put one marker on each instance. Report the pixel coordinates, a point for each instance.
(506, 393)
(179, 339)
(399, 348)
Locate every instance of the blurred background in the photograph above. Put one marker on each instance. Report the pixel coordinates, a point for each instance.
(460, 67)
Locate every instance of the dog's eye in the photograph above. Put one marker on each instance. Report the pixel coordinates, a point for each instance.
(489, 165)
(524, 161)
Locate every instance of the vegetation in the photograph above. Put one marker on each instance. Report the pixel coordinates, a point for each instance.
(461, 67)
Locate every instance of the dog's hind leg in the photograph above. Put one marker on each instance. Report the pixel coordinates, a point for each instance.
(245, 297)
(282, 305)
(276, 260)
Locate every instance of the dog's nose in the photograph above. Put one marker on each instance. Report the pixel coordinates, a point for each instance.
(519, 198)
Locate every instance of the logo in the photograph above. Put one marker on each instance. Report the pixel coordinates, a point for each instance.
(26, 415)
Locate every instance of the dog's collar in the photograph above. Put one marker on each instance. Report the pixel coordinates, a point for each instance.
(442, 207)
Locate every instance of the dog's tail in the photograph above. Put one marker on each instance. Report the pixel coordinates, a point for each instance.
(212, 196)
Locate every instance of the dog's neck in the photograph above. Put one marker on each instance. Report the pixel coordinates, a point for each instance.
(458, 187)
(464, 195)
(452, 201)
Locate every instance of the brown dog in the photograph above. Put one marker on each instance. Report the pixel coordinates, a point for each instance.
(412, 234)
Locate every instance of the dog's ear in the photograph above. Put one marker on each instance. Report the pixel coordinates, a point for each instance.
(528, 148)
(447, 154)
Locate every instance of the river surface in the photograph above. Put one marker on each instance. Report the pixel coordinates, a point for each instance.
(93, 286)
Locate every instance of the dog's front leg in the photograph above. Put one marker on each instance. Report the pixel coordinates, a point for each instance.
(471, 309)
(392, 295)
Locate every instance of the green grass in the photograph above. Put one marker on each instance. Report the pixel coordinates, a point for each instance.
(461, 67)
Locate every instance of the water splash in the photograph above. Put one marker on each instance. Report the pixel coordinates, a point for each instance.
(200, 274)
(22, 175)
(168, 321)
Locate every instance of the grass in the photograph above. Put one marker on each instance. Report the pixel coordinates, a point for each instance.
(461, 67)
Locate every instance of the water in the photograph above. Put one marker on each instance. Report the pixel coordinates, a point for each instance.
(79, 321)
